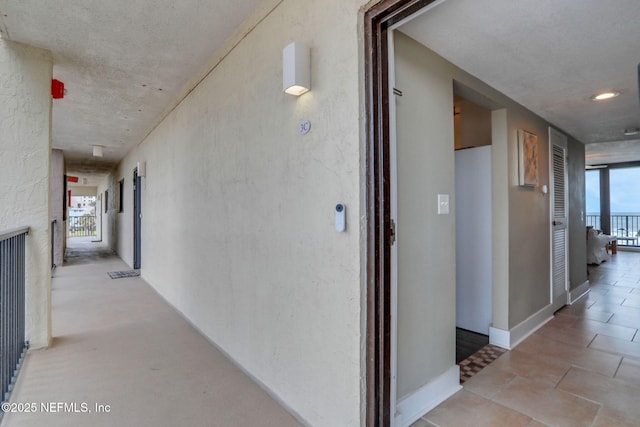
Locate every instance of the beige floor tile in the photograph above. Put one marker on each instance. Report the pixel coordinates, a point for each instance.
(610, 288)
(561, 321)
(627, 282)
(533, 366)
(608, 417)
(629, 371)
(422, 423)
(489, 381)
(613, 296)
(610, 392)
(616, 345)
(541, 346)
(581, 311)
(588, 299)
(547, 404)
(601, 328)
(632, 300)
(601, 280)
(567, 336)
(626, 316)
(615, 308)
(625, 319)
(595, 289)
(468, 409)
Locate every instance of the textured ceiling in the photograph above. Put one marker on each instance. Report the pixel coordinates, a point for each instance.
(123, 62)
(549, 56)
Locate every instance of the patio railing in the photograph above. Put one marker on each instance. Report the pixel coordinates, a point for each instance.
(12, 307)
(81, 226)
(625, 227)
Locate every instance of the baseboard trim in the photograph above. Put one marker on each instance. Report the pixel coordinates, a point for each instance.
(511, 338)
(414, 406)
(579, 292)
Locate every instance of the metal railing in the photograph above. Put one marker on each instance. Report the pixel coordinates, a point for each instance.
(81, 226)
(594, 221)
(624, 227)
(12, 307)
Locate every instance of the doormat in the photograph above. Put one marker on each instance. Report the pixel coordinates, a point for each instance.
(122, 274)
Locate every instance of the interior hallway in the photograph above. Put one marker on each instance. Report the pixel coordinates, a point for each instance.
(580, 369)
(118, 343)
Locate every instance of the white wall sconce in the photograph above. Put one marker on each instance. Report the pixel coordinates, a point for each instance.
(97, 151)
(296, 69)
(142, 169)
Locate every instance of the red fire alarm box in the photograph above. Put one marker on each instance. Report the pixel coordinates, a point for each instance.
(57, 89)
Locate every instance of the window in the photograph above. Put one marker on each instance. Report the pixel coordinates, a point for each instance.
(620, 202)
(593, 198)
(625, 204)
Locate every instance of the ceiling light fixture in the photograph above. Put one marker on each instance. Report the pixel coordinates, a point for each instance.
(97, 151)
(604, 95)
(631, 131)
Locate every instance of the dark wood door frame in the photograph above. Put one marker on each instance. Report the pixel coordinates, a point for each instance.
(379, 19)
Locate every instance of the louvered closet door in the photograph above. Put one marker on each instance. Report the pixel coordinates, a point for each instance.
(559, 227)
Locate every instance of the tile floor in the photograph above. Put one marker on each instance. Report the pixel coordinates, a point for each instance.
(580, 369)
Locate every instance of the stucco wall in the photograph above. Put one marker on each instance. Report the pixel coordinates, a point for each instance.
(123, 245)
(58, 204)
(238, 226)
(105, 211)
(101, 222)
(25, 151)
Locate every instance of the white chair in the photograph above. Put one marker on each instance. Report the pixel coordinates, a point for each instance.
(596, 246)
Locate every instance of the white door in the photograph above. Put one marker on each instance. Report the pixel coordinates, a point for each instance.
(559, 219)
(474, 244)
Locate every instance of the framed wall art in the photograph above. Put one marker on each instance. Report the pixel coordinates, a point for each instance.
(527, 158)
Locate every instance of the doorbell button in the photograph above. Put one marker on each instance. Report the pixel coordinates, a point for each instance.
(341, 217)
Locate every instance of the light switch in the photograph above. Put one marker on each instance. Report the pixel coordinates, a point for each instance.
(443, 204)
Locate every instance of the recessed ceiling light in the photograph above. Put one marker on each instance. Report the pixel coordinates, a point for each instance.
(604, 95)
(632, 131)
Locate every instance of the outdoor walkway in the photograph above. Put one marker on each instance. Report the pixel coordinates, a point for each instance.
(122, 357)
